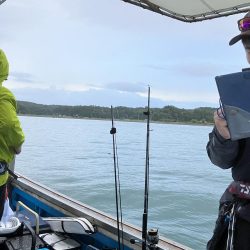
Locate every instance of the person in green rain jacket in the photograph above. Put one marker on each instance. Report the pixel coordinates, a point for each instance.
(11, 134)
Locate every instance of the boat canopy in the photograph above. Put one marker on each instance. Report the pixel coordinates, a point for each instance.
(193, 10)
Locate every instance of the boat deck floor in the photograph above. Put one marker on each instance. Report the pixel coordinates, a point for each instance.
(23, 242)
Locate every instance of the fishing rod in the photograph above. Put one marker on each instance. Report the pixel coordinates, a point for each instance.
(146, 188)
(117, 185)
(149, 237)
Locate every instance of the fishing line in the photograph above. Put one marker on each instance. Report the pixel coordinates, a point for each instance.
(119, 191)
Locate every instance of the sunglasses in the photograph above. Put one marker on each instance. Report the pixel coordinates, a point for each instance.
(244, 24)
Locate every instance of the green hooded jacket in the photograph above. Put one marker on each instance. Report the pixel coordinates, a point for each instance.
(11, 134)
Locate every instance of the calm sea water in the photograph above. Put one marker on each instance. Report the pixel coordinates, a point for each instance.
(75, 158)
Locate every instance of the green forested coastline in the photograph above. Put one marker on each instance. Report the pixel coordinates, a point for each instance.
(167, 114)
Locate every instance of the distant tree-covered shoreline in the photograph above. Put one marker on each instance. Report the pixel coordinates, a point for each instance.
(169, 114)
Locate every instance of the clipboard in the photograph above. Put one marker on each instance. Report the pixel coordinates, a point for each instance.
(234, 92)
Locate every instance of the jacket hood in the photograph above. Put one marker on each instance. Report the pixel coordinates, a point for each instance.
(4, 67)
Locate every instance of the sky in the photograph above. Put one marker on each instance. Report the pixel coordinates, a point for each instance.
(107, 52)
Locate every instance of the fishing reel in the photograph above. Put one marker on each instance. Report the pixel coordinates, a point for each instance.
(152, 239)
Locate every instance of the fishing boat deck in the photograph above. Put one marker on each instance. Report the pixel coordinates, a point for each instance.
(48, 203)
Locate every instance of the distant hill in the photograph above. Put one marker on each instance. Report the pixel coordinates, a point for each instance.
(202, 115)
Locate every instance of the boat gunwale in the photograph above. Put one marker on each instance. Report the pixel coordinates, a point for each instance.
(70, 207)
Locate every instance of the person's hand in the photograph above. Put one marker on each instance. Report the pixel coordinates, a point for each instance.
(221, 124)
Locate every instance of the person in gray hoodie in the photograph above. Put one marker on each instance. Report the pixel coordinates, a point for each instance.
(232, 230)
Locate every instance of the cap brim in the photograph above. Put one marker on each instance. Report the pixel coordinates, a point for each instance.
(235, 39)
(239, 37)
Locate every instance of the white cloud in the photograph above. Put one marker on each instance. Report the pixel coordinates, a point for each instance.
(183, 96)
(79, 87)
(23, 85)
(127, 87)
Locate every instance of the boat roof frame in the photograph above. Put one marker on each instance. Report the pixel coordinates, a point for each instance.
(146, 4)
